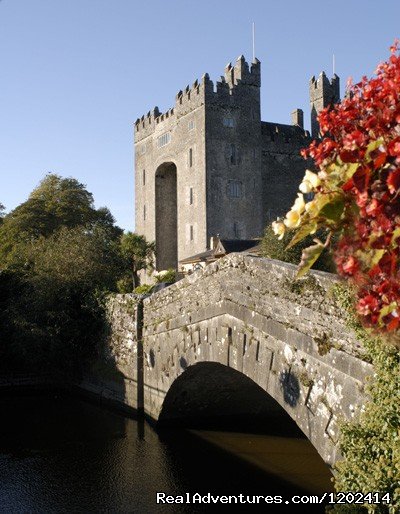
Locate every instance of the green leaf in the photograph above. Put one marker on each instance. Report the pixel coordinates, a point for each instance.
(308, 257)
(304, 231)
(396, 234)
(371, 257)
(373, 145)
(333, 210)
(376, 256)
(387, 310)
(350, 169)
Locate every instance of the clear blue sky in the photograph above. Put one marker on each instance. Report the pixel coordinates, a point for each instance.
(75, 74)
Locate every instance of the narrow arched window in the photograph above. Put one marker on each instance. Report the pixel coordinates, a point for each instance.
(233, 154)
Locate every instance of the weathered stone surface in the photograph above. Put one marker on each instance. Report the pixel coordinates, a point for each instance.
(247, 314)
(288, 337)
(115, 376)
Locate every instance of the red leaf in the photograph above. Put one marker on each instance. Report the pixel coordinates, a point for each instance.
(349, 155)
(394, 146)
(393, 324)
(361, 178)
(393, 181)
(380, 160)
(348, 185)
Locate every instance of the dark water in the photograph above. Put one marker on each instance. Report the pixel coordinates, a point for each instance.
(60, 454)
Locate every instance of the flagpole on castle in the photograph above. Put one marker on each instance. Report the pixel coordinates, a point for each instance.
(254, 37)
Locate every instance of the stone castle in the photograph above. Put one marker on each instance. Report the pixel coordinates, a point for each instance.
(210, 166)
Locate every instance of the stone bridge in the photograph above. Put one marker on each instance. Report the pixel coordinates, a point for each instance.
(239, 337)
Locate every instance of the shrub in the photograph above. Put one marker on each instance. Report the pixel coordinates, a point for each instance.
(166, 276)
(274, 248)
(371, 445)
(143, 289)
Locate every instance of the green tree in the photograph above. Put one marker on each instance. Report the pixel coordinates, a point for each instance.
(75, 256)
(168, 275)
(58, 257)
(57, 202)
(138, 255)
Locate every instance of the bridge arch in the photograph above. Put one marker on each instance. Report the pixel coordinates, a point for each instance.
(213, 395)
(243, 313)
(166, 205)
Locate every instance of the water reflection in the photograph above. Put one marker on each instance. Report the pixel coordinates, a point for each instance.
(60, 454)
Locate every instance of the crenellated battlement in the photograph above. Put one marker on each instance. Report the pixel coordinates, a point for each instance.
(322, 87)
(323, 92)
(234, 79)
(241, 73)
(145, 125)
(288, 135)
(185, 101)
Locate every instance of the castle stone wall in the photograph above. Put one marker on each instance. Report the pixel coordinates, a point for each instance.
(282, 167)
(185, 126)
(323, 92)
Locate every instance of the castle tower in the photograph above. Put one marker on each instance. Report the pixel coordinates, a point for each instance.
(323, 92)
(233, 153)
(198, 166)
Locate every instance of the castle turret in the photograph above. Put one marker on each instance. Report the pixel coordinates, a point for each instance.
(323, 92)
(240, 73)
(298, 118)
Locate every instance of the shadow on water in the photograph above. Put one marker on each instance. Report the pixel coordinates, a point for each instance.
(61, 454)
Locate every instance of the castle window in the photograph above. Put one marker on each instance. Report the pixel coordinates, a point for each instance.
(144, 177)
(142, 149)
(235, 188)
(236, 230)
(164, 139)
(190, 157)
(191, 125)
(191, 232)
(144, 212)
(191, 196)
(232, 154)
(229, 122)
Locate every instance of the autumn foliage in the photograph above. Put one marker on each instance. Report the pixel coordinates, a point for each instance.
(356, 188)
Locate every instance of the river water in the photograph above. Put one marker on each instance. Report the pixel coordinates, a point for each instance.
(62, 454)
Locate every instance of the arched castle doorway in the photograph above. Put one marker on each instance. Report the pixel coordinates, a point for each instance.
(166, 217)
